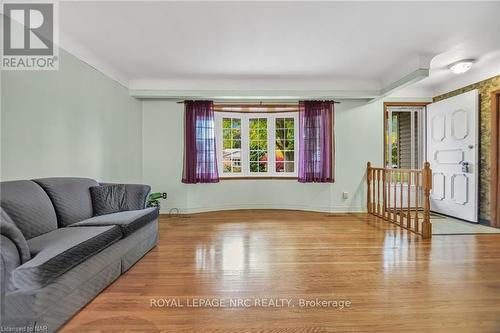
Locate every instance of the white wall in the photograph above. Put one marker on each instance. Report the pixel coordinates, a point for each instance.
(72, 122)
(78, 122)
(358, 132)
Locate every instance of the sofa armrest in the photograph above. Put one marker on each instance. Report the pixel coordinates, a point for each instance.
(9, 261)
(136, 195)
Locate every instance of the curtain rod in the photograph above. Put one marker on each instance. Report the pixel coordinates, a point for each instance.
(261, 104)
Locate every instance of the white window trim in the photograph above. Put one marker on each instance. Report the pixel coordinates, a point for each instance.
(245, 144)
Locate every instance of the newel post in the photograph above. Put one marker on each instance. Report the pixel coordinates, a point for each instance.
(368, 186)
(427, 182)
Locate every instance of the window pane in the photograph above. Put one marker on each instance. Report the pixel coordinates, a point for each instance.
(236, 134)
(258, 144)
(231, 143)
(404, 140)
(289, 156)
(280, 134)
(417, 147)
(254, 167)
(285, 145)
(280, 165)
(263, 123)
(394, 139)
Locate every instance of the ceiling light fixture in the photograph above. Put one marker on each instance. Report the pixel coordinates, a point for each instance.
(461, 66)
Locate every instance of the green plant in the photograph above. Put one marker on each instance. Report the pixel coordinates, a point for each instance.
(154, 199)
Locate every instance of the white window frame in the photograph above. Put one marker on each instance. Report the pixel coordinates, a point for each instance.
(245, 143)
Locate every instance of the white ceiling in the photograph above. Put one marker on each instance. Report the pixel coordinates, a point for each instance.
(342, 46)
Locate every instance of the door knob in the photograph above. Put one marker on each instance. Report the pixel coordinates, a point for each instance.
(470, 146)
(465, 167)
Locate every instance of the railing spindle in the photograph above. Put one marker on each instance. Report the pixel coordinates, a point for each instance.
(385, 204)
(378, 193)
(374, 205)
(408, 218)
(417, 195)
(426, 224)
(384, 195)
(395, 215)
(401, 213)
(368, 184)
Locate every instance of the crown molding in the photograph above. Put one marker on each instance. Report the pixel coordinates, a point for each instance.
(252, 94)
(87, 56)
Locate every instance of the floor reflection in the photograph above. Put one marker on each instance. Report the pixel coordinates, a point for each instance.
(234, 254)
(236, 249)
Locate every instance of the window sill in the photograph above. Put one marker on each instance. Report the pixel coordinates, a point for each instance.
(259, 178)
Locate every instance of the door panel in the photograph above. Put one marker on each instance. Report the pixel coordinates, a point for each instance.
(452, 151)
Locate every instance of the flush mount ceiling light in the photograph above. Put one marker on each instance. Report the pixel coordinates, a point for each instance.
(461, 66)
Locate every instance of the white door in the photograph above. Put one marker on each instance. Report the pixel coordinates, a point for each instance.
(452, 150)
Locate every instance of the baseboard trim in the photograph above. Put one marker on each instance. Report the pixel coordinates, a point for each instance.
(194, 210)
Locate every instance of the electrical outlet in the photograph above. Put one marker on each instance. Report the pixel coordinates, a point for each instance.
(345, 195)
(164, 195)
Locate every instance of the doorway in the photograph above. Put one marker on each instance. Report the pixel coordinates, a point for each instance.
(404, 135)
(495, 159)
(453, 153)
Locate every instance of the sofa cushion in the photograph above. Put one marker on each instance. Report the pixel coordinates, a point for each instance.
(58, 251)
(136, 195)
(9, 230)
(128, 221)
(107, 199)
(28, 206)
(70, 196)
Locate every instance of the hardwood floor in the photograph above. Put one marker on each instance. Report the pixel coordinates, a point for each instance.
(395, 281)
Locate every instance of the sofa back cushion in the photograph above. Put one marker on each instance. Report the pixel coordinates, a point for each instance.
(28, 206)
(70, 196)
(10, 230)
(136, 195)
(108, 199)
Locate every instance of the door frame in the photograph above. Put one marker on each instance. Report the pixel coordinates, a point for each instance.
(385, 116)
(495, 160)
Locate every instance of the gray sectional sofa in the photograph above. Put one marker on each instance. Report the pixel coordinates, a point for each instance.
(56, 255)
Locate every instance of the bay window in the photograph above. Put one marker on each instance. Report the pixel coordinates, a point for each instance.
(257, 144)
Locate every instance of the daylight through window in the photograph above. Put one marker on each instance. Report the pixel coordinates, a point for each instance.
(257, 144)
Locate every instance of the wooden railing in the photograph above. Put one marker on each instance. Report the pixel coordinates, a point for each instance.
(401, 196)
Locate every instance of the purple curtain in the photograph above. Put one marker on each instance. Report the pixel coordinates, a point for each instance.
(316, 142)
(200, 162)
